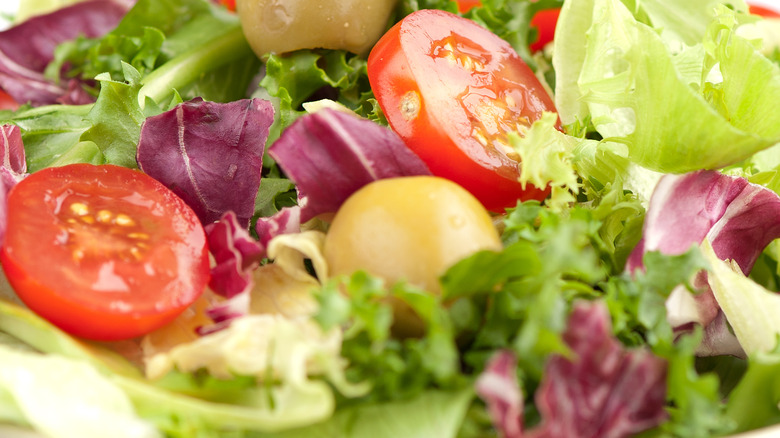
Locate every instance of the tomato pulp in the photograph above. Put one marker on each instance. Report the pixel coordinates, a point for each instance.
(544, 21)
(454, 91)
(103, 252)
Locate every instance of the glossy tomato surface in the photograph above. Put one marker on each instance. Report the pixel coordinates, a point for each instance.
(454, 91)
(103, 252)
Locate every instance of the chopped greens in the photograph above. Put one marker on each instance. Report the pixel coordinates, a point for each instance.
(638, 299)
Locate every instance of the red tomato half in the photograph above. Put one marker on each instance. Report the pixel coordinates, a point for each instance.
(103, 252)
(544, 21)
(453, 91)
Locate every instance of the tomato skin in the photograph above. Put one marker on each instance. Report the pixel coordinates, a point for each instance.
(763, 11)
(229, 4)
(466, 5)
(103, 252)
(544, 21)
(7, 102)
(425, 101)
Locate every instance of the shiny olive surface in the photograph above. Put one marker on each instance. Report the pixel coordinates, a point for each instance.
(410, 228)
(281, 26)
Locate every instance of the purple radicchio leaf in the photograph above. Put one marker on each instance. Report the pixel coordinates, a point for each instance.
(236, 255)
(342, 153)
(738, 218)
(210, 154)
(603, 391)
(498, 386)
(286, 221)
(12, 170)
(27, 48)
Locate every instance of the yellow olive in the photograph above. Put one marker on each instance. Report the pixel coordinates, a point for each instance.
(409, 228)
(281, 26)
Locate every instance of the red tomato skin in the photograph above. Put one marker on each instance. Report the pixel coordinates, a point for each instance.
(466, 5)
(491, 178)
(7, 102)
(229, 4)
(544, 21)
(763, 11)
(46, 279)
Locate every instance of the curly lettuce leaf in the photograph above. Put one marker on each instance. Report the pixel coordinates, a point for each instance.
(638, 89)
(315, 74)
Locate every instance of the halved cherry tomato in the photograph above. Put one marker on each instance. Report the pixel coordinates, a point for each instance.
(763, 11)
(544, 21)
(453, 91)
(103, 252)
(7, 102)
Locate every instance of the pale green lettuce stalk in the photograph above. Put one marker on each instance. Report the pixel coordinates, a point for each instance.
(750, 309)
(676, 105)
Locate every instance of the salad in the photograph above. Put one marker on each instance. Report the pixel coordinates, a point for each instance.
(417, 218)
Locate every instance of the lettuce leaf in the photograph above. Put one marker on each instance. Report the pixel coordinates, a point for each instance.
(639, 87)
(63, 397)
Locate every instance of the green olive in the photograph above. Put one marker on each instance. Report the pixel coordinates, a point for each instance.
(280, 26)
(408, 228)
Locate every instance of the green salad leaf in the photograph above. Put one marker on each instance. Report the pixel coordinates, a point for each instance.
(639, 85)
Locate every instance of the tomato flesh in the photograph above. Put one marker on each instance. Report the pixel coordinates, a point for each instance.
(544, 21)
(454, 91)
(103, 252)
(7, 102)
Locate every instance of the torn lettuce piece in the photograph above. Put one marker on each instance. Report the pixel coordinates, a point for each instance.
(432, 413)
(27, 49)
(343, 153)
(288, 357)
(739, 219)
(635, 85)
(599, 389)
(63, 398)
(210, 154)
(750, 309)
(545, 160)
(13, 168)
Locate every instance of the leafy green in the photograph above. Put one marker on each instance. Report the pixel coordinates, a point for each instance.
(60, 397)
(753, 403)
(332, 74)
(203, 52)
(639, 87)
(395, 368)
(433, 413)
